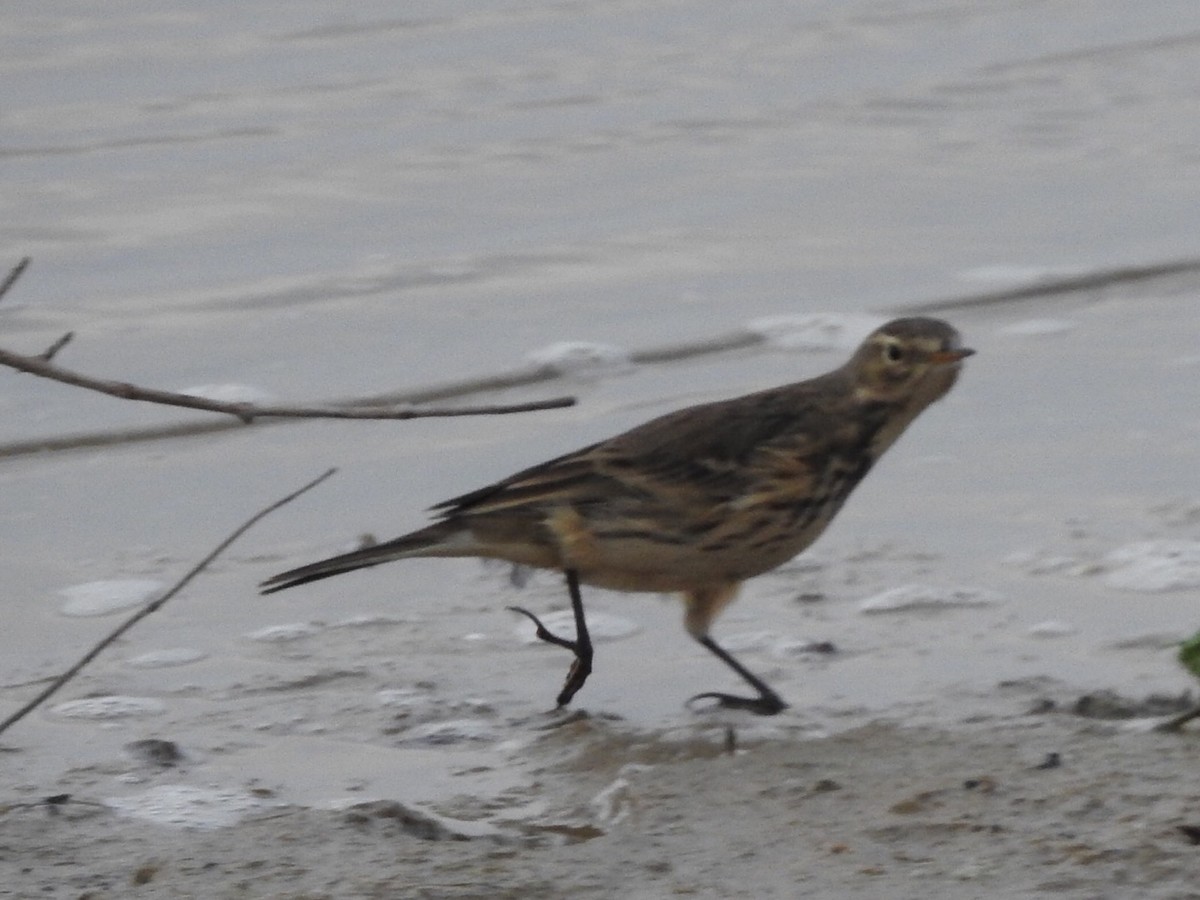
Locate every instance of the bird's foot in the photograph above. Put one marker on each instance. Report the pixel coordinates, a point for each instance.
(580, 669)
(767, 703)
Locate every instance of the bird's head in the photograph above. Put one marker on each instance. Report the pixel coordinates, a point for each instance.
(913, 361)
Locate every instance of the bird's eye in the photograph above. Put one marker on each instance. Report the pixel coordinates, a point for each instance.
(894, 352)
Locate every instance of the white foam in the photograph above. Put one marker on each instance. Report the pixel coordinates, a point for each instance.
(580, 357)
(615, 802)
(186, 806)
(1013, 273)
(748, 641)
(1051, 629)
(100, 598)
(172, 656)
(230, 393)
(403, 698)
(1037, 327)
(1042, 562)
(110, 707)
(815, 331)
(453, 731)
(778, 646)
(601, 626)
(367, 620)
(1155, 566)
(281, 634)
(923, 597)
(800, 648)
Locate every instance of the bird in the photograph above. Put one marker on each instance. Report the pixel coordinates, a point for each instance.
(694, 502)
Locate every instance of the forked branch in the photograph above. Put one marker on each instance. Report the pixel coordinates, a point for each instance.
(42, 365)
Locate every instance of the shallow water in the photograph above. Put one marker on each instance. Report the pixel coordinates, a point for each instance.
(258, 192)
(317, 202)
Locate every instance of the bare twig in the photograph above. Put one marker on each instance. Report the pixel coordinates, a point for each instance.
(155, 605)
(14, 273)
(248, 412)
(41, 365)
(49, 353)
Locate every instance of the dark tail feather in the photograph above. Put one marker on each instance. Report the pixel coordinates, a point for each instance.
(420, 543)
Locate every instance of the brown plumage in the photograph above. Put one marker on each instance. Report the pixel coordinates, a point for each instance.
(695, 501)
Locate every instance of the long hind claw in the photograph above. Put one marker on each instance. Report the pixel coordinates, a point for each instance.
(544, 633)
(768, 704)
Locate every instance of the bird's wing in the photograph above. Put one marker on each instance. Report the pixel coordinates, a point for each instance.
(701, 457)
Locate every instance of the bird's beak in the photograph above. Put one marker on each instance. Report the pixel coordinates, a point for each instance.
(944, 357)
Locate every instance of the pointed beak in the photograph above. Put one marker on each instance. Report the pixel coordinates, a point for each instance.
(944, 357)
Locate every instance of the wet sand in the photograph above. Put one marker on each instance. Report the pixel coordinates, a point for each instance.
(876, 811)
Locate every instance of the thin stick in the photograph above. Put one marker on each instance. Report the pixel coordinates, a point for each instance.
(49, 353)
(13, 274)
(155, 605)
(41, 366)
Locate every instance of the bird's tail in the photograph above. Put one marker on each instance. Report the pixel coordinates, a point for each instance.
(439, 539)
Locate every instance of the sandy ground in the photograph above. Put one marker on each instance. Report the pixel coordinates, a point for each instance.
(1037, 805)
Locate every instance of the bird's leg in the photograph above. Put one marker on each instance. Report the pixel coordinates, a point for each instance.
(581, 668)
(767, 703)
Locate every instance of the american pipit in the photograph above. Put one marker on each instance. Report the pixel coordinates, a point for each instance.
(695, 501)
